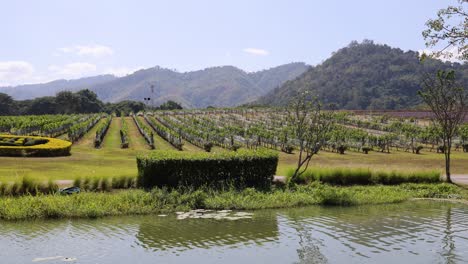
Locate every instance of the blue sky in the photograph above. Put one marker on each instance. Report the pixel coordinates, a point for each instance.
(46, 40)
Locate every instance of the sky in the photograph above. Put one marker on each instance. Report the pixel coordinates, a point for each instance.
(46, 40)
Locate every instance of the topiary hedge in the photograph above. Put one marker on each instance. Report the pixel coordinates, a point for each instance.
(29, 146)
(244, 168)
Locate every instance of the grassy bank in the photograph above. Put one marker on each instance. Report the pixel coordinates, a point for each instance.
(92, 205)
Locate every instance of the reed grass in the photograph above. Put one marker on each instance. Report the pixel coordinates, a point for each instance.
(162, 200)
(27, 186)
(358, 176)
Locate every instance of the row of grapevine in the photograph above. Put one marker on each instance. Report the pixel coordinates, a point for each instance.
(124, 133)
(273, 129)
(165, 132)
(78, 130)
(101, 131)
(42, 125)
(145, 131)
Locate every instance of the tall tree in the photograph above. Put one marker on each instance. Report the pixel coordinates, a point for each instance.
(7, 104)
(311, 126)
(450, 29)
(447, 100)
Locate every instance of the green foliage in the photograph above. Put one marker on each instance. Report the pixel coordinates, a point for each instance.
(126, 107)
(163, 200)
(170, 105)
(346, 176)
(450, 30)
(27, 186)
(240, 169)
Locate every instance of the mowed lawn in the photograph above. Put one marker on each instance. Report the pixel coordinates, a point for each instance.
(112, 161)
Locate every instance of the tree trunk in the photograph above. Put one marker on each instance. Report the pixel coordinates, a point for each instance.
(447, 161)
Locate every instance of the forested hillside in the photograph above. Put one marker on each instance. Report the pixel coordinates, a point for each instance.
(365, 76)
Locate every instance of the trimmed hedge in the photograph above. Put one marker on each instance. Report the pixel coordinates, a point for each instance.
(51, 148)
(245, 168)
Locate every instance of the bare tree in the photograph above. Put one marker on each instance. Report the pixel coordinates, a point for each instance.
(311, 126)
(447, 101)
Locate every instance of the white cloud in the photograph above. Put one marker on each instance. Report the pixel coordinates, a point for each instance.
(88, 50)
(73, 70)
(450, 54)
(15, 72)
(257, 52)
(121, 71)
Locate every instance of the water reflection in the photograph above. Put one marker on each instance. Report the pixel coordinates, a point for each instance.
(420, 231)
(187, 234)
(417, 232)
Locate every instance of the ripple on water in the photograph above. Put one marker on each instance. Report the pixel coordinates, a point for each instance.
(418, 232)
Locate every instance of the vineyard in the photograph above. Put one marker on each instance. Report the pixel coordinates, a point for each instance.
(105, 145)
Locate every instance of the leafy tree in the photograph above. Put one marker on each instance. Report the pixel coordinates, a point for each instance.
(41, 106)
(89, 103)
(67, 102)
(450, 28)
(7, 104)
(170, 105)
(310, 126)
(447, 100)
(125, 107)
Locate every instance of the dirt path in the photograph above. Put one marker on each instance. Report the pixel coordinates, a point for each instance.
(112, 137)
(137, 141)
(460, 179)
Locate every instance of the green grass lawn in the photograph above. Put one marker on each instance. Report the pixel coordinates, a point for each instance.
(112, 161)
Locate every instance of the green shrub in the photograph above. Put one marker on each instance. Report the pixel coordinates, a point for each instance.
(207, 146)
(341, 149)
(244, 168)
(33, 146)
(366, 149)
(418, 149)
(287, 148)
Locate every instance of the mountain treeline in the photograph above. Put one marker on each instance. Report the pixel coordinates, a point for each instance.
(67, 102)
(365, 76)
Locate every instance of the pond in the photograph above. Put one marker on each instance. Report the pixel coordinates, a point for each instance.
(412, 232)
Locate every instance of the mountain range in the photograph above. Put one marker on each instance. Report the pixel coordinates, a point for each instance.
(216, 86)
(359, 76)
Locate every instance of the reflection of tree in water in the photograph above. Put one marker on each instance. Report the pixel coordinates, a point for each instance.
(371, 230)
(309, 251)
(169, 234)
(448, 242)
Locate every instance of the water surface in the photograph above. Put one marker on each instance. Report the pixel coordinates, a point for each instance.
(413, 232)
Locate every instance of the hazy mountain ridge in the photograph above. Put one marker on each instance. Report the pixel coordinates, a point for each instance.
(29, 91)
(216, 86)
